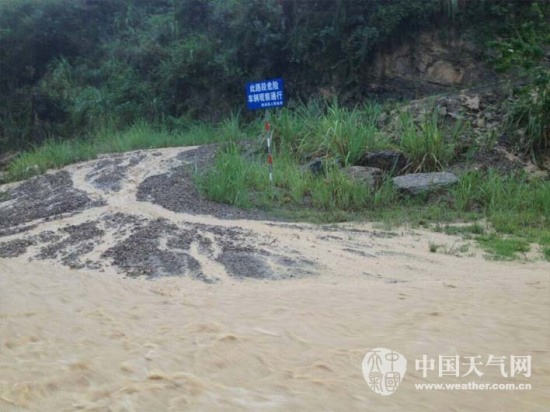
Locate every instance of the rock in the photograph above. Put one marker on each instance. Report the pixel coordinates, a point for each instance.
(386, 160)
(471, 103)
(444, 73)
(424, 182)
(370, 176)
(315, 166)
(319, 165)
(7, 158)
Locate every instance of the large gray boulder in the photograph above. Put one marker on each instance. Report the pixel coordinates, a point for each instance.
(418, 183)
(369, 176)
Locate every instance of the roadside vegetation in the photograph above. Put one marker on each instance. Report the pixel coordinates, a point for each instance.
(514, 209)
(506, 213)
(55, 153)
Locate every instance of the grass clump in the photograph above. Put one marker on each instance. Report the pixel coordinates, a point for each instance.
(241, 181)
(316, 130)
(531, 112)
(233, 179)
(424, 143)
(503, 249)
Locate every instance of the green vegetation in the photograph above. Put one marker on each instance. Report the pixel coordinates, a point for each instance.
(425, 144)
(70, 68)
(531, 112)
(57, 153)
(511, 205)
(503, 249)
(331, 131)
(521, 49)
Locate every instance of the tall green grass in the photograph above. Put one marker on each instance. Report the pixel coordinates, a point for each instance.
(515, 209)
(424, 143)
(531, 111)
(57, 153)
(317, 130)
(244, 182)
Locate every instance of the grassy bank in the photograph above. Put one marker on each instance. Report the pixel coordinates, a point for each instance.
(57, 153)
(515, 211)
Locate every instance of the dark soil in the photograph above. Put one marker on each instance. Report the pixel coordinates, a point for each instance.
(140, 254)
(144, 247)
(248, 265)
(177, 191)
(45, 197)
(81, 239)
(108, 174)
(14, 248)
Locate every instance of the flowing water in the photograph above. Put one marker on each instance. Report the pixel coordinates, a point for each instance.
(94, 340)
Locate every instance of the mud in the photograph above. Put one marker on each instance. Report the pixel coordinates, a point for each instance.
(176, 190)
(121, 289)
(44, 197)
(108, 174)
(14, 248)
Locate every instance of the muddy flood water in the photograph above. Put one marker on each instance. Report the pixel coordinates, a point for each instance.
(122, 291)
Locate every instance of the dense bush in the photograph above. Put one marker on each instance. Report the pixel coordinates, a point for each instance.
(71, 65)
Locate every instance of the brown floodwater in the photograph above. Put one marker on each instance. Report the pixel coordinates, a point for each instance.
(97, 342)
(86, 340)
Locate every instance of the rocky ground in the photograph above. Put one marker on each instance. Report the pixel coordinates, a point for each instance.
(110, 213)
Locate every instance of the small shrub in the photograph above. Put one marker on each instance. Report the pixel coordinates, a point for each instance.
(531, 112)
(424, 144)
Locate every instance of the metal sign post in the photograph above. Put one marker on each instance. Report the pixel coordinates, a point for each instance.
(265, 95)
(269, 136)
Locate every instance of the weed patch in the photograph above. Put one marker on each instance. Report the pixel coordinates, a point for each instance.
(503, 249)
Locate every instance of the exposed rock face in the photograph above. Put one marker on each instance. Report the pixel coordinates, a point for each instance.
(386, 160)
(370, 176)
(428, 63)
(419, 183)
